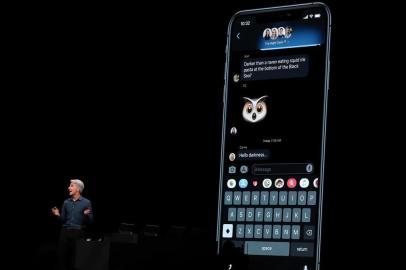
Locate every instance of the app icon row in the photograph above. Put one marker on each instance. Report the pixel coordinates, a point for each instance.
(279, 183)
(233, 169)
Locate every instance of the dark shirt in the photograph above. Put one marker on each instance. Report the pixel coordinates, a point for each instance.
(72, 215)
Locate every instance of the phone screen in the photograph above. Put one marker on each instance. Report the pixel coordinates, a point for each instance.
(275, 97)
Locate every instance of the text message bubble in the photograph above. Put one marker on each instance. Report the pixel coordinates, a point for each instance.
(256, 154)
(278, 67)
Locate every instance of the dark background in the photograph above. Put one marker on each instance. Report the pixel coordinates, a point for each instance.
(131, 105)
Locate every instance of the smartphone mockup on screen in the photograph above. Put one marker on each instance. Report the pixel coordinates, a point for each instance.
(273, 136)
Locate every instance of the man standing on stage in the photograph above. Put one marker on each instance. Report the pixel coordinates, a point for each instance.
(76, 214)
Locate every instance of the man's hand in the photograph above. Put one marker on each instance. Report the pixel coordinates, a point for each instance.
(55, 212)
(86, 212)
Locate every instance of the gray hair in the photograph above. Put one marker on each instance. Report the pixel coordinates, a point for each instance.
(79, 183)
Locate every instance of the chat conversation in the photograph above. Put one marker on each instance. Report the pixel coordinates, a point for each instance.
(277, 67)
(255, 154)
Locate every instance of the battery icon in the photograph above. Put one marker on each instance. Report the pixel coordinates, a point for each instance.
(317, 15)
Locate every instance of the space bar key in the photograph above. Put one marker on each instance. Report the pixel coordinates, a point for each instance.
(266, 248)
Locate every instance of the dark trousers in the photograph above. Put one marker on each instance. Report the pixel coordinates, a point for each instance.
(66, 248)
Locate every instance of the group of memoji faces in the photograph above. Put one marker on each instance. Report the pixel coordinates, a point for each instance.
(277, 32)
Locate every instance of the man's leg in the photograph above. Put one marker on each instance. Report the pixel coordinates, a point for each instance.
(63, 249)
(75, 236)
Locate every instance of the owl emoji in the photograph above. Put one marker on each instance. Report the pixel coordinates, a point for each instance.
(254, 109)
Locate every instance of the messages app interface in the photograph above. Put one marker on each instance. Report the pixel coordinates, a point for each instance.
(273, 138)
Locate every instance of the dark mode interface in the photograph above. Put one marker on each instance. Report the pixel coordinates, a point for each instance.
(273, 137)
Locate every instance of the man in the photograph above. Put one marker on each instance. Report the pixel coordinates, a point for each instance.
(76, 214)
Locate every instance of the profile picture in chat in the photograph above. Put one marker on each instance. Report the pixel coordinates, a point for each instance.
(288, 32)
(281, 32)
(231, 157)
(267, 34)
(274, 33)
(254, 109)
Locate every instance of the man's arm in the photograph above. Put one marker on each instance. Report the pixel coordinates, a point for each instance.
(55, 212)
(62, 217)
(89, 213)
